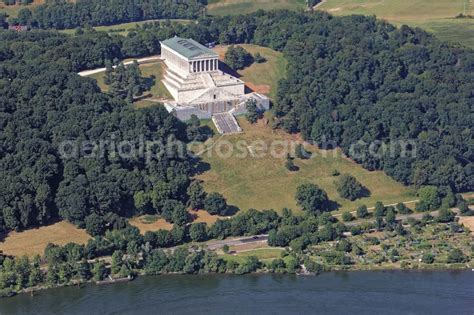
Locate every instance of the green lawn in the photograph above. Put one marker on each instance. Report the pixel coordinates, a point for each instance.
(261, 77)
(436, 16)
(263, 253)
(233, 7)
(153, 73)
(252, 181)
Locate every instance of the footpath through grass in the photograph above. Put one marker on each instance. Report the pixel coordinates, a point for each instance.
(34, 241)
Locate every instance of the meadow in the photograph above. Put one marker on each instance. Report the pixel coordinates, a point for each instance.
(249, 177)
(233, 7)
(261, 77)
(436, 16)
(34, 241)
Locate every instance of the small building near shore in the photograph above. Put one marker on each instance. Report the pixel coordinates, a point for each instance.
(199, 87)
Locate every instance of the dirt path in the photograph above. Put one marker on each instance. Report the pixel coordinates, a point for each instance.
(86, 73)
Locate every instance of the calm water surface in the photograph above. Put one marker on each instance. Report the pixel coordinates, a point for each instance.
(394, 292)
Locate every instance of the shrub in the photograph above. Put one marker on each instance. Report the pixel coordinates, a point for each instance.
(429, 198)
(362, 212)
(379, 209)
(403, 209)
(215, 203)
(301, 153)
(355, 230)
(456, 256)
(253, 114)
(311, 198)
(347, 216)
(348, 187)
(258, 58)
(198, 232)
(445, 215)
(335, 173)
(428, 258)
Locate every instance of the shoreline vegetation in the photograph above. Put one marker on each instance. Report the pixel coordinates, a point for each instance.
(81, 284)
(387, 244)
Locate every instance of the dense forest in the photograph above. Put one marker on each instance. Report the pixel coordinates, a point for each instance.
(62, 14)
(44, 103)
(349, 79)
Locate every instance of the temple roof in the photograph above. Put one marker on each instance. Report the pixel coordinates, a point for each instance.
(188, 48)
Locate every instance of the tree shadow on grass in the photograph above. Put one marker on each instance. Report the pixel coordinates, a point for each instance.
(149, 82)
(200, 167)
(365, 193)
(226, 69)
(332, 205)
(231, 210)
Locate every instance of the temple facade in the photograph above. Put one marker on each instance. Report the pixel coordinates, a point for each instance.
(193, 78)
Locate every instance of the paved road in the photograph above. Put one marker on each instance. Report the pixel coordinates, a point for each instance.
(86, 73)
(213, 245)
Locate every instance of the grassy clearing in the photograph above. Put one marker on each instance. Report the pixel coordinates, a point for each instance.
(153, 74)
(248, 180)
(263, 77)
(263, 253)
(233, 7)
(150, 223)
(436, 16)
(204, 216)
(12, 10)
(154, 223)
(34, 241)
(124, 28)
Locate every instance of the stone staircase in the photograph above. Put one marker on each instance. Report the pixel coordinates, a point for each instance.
(226, 123)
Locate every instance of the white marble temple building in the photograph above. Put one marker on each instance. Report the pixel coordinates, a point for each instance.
(198, 86)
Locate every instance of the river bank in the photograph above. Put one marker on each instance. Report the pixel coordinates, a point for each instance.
(34, 291)
(387, 292)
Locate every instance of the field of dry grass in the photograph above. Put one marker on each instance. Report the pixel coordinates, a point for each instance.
(34, 241)
(468, 222)
(204, 216)
(148, 223)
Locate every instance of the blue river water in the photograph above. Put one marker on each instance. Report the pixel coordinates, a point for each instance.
(374, 292)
